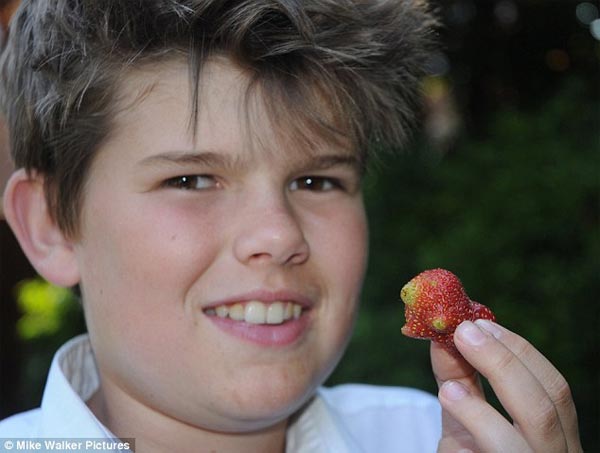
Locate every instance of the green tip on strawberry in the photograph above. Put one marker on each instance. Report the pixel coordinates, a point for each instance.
(435, 304)
(409, 292)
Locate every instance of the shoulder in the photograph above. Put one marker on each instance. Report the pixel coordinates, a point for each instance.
(25, 424)
(378, 417)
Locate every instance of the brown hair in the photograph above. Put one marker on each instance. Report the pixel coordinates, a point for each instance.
(63, 58)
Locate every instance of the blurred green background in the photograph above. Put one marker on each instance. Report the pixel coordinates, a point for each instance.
(501, 185)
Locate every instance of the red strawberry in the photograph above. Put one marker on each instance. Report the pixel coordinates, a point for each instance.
(435, 304)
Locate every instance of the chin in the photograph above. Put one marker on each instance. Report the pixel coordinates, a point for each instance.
(264, 403)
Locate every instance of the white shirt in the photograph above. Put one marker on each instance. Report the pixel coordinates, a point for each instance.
(349, 418)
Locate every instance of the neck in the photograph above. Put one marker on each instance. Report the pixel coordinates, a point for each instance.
(157, 432)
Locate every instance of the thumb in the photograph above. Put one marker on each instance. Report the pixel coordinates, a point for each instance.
(447, 366)
(450, 367)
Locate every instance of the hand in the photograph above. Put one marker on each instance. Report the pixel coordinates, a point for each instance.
(531, 390)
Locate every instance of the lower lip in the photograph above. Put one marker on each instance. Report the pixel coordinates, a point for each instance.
(264, 334)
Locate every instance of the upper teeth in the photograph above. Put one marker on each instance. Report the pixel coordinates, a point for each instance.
(255, 312)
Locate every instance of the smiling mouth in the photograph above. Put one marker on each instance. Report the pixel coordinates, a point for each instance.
(257, 312)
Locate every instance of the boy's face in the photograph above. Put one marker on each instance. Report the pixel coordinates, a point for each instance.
(175, 231)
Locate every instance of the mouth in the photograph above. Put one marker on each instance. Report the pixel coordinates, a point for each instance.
(257, 312)
(263, 318)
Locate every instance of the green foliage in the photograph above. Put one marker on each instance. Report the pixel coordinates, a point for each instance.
(50, 316)
(43, 306)
(515, 215)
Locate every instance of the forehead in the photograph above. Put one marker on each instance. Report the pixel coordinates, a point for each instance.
(232, 111)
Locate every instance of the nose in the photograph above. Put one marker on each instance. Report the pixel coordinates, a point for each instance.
(270, 232)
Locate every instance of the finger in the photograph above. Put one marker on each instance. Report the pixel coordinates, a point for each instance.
(490, 430)
(461, 443)
(447, 367)
(549, 377)
(519, 391)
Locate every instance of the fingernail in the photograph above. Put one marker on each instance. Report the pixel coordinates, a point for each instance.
(490, 327)
(454, 390)
(471, 334)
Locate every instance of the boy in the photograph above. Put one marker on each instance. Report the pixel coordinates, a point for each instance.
(194, 167)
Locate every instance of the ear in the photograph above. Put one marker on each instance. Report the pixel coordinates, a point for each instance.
(50, 252)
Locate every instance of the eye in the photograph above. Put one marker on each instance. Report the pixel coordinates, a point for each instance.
(192, 182)
(316, 184)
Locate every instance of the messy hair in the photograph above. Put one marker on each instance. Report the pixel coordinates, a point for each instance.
(63, 59)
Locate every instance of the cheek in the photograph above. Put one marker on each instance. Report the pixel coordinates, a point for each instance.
(138, 266)
(344, 252)
(342, 258)
(143, 245)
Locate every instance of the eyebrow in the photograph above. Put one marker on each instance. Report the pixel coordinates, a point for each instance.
(221, 160)
(324, 162)
(209, 158)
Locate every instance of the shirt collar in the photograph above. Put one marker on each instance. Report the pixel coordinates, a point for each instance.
(73, 379)
(318, 428)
